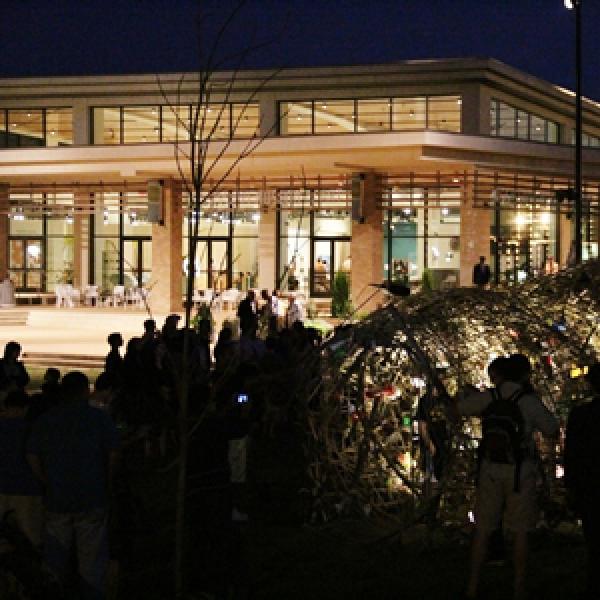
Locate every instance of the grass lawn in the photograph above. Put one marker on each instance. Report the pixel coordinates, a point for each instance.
(345, 560)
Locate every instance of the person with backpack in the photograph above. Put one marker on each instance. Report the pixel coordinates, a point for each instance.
(506, 486)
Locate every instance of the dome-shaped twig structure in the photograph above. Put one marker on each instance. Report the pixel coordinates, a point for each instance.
(363, 446)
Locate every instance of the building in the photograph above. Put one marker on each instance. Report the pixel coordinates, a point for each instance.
(379, 171)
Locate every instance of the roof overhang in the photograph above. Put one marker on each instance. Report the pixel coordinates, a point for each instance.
(290, 156)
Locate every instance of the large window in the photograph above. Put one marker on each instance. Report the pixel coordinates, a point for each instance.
(167, 123)
(226, 245)
(422, 234)
(524, 243)
(587, 139)
(40, 244)
(511, 122)
(313, 247)
(122, 241)
(327, 116)
(36, 127)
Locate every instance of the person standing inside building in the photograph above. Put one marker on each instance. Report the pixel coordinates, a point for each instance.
(481, 273)
(582, 474)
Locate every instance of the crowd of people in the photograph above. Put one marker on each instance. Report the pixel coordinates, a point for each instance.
(59, 447)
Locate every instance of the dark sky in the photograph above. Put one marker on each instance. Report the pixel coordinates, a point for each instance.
(73, 37)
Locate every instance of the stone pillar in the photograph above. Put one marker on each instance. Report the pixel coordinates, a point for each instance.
(474, 236)
(167, 257)
(475, 110)
(367, 247)
(4, 228)
(81, 123)
(268, 115)
(267, 245)
(81, 243)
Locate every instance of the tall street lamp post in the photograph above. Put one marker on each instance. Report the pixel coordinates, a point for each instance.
(576, 6)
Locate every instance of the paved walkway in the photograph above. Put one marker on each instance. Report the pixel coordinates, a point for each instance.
(81, 331)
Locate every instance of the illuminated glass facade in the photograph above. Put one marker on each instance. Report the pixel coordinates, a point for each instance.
(365, 115)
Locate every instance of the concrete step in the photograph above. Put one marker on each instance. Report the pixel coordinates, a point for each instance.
(10, 318)
(48, 359)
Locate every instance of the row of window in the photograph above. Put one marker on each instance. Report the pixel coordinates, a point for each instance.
(166, 123)
(511, 122)
(442, 113)
(36, 127)
(169, 123)
(590, 141)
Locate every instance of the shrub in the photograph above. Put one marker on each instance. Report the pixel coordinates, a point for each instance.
(340, 295)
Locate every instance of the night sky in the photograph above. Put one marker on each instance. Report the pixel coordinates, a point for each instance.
(78, 37)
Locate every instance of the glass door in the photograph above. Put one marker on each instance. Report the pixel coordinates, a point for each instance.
(329, 257)
(137, 261)
(26, 263)
(213, 264)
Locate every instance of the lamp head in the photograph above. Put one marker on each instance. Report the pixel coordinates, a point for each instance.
(570, 4)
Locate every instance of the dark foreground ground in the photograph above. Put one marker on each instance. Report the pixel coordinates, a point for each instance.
(354, 560)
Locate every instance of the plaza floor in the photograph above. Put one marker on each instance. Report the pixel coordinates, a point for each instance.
(72, 331)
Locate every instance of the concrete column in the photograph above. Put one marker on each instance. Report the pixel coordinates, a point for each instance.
(367, 247)
(4, 227)
(81, 123)
(267, 245)
(167, 257)
(268, 115)
(475, 110)
(474, 236)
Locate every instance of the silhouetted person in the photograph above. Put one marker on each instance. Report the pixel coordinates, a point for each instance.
(247, 312)
(48, 397)
(13, 374)
(481, 273)
(582, 474)
(72, 450)
(20, 491)
(113, 363)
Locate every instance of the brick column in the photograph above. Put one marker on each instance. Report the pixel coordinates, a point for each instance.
(4, 227)
(267, 244)
(474, 236)
(367, 247)
(167, 257)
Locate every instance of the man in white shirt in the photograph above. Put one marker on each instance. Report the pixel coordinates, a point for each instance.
(497, 494)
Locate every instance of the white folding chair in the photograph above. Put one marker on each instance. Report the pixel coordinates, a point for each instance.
(90, 295)
(230, 297)
(118, 295)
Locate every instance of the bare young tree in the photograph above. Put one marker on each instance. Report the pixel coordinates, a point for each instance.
(206, 162)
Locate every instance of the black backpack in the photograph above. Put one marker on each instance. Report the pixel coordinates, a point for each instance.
(502, 428)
